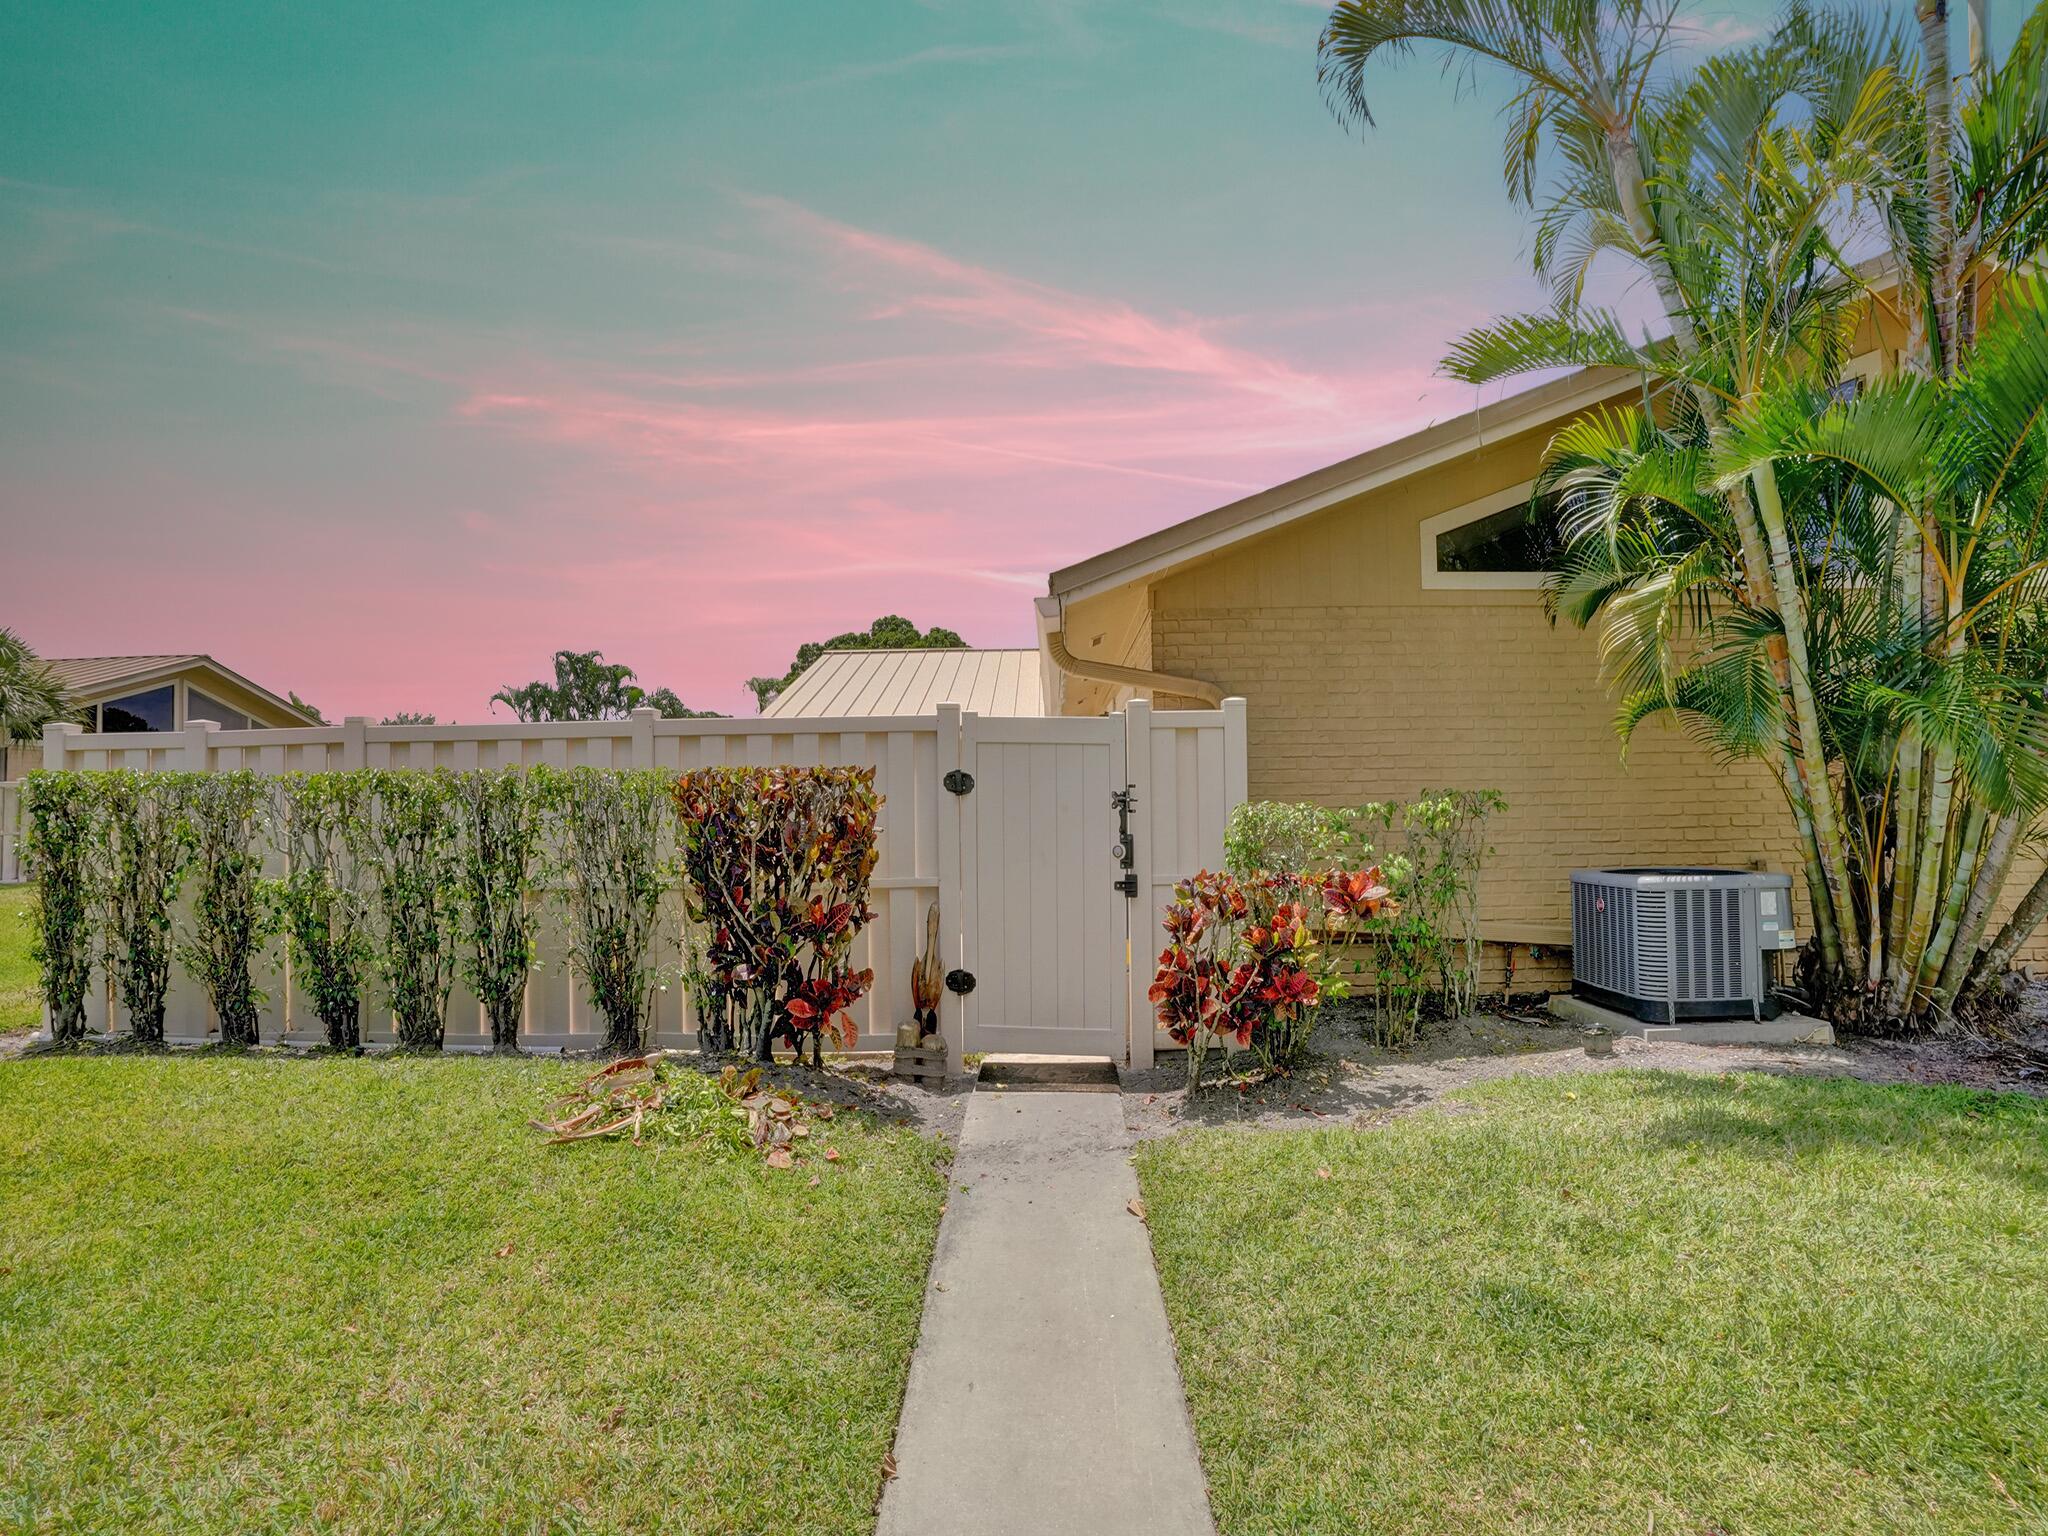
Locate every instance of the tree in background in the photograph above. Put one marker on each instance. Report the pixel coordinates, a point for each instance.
(1842, 579)
(304, 708)
(31, 697)
(410, 717)
(587, 687)
(891, 632)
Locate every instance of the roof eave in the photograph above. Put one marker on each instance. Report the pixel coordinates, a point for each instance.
(1310, 493)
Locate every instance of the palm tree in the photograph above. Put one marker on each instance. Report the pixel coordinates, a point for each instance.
(1766, 591)
(31, 697)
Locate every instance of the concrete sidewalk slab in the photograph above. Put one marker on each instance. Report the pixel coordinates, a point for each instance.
(1044, 1397)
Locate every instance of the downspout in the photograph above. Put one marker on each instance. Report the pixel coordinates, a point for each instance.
(1135, 677)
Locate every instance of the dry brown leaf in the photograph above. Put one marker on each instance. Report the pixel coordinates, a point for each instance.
(831, 1154)
(504, 1252)
(613, 1419)
(1136, 1206)
(888, 1466)
(1322, 1173)
(778, 1157)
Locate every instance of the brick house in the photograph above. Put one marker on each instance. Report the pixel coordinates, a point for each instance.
(1383, 619)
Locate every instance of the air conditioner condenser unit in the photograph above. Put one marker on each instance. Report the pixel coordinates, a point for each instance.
(1669, 944)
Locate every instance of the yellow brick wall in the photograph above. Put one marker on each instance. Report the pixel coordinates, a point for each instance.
(1356, 703)
(1363, 684)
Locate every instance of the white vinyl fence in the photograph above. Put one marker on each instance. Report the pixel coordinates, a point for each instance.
(1025, 864)
(10, 834)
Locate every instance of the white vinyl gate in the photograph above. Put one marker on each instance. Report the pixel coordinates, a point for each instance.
(1029, 865)
(1043, 926)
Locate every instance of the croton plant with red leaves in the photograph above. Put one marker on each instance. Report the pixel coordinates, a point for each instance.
(777, 863)
(1245, 965)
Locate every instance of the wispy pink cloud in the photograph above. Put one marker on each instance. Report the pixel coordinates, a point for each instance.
(1092, 331)
(923, 433)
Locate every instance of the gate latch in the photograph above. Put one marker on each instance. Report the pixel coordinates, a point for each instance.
(958, 780)
(1126, 845)
(960, 982)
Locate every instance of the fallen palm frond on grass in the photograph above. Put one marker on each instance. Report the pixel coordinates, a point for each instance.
(637, 1095)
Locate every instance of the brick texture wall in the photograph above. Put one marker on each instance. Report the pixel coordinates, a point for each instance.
(1356, 703)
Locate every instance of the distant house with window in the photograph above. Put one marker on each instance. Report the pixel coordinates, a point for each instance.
(165, 693)
(156, 693)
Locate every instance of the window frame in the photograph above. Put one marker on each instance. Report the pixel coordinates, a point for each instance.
(1435, 580)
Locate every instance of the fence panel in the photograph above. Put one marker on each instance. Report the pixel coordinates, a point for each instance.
(10, 834)
(1188, 769)
(903, 751)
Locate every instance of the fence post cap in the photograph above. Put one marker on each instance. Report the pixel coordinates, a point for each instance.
(62, 728)
(646, 712)
(357, 720)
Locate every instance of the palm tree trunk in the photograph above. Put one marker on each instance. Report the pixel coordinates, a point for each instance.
(1941, 184)
(1924, 870)
(1961, 879)
(1827, 869)
(1906, 837)
(1991, 872)
(1810, 748)
(1824, 928)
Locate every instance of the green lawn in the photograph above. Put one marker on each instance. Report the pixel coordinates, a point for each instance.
(243, 1294)
(20, 1007)
(1630, 1303)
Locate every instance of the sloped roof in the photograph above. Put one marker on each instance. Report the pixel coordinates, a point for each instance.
(100, 676)
(1313, 492)
(906, 682)
(88, 674)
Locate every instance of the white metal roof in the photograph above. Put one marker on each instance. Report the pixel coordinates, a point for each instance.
(912, 683)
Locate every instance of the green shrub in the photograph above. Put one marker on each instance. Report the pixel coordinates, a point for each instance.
(145, 847)
(1433, 849)
(1278, 838)
(612, 842)
(325, 895)
(231, 918)
(64, 829)
(413, 881)
(497, 838)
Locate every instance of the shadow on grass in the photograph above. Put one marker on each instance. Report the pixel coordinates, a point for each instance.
(1773, 1113)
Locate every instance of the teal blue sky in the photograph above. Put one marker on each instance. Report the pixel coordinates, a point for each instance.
(380, 349)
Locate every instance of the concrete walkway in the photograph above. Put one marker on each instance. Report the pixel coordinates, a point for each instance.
(1043, 1395)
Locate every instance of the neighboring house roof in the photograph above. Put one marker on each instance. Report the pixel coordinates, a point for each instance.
(90, 678)
(91, 674)
(907, 682)
(1312, 492)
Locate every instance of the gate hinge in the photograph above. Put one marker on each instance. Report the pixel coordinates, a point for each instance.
(958, 780)
(961, 982)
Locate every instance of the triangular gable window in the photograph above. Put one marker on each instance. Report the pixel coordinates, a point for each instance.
(1501, 541)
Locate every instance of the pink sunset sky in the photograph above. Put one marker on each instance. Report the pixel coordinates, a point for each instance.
(382, 379)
